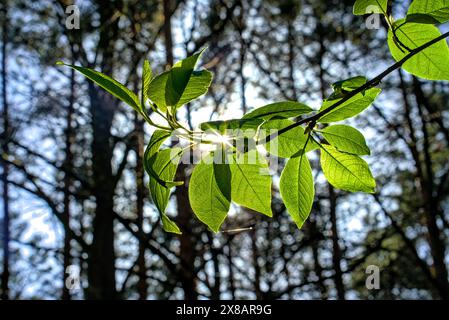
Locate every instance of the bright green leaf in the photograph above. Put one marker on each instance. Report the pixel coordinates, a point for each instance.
(234, 126)
(198, 85)
(350, 108)
(362, 7)
(147, 76)
(210, 193)
(180, 85)
(251, 182)
(428, 11)
(157, 139)
(346, 139)
(431, 63)
(156, 90)
(297, 189)
(288, 143)
(349, 84)
(284, 110)
(110, 85)
(163, 165)
(168, 225)
(346, 171)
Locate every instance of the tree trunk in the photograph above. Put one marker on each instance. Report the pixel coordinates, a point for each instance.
(5, 151)
(185, 214)
(291, 59)
(336, 250)
(142, 285)
(425, 188)
(230, 268)
(317, 268)
(437, 246)
(336, 254)
(257, 271)
(68, 164)
(168, 32)
(101, 262)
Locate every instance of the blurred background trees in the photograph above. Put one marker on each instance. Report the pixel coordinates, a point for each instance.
(73, 189)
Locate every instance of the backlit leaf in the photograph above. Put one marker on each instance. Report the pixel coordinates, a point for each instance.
(346, 171)
(431, 63)
(346, 139)
(297, 189)
(210, 193)
(279, 110)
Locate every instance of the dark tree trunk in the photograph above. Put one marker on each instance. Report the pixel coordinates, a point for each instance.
(241, 28)
(230, 268)
(168, 32)
(257, 271)
(317, 268)
(68, 164)
(5, 151)
(291, 59)
(185, 214)
(425, 179)
(336, 250)
(336, 254)
(142, 285)
(215, 288)
(187, 239)
(437, 246)
(101, 262)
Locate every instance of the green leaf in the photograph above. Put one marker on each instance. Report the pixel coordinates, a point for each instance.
(163, 165)
(251, 182)
(283, 110)
(362, 7)
(157, 139)
(210, 193)
(346, 139)
(154, 165)
(431, 63)
(198, 85)
(349, 84)
(110, 85)
(350, 108)
(147, 76)
(168, 225)
(288, 143)
(297, 189)
(231, 127)
(428, 11)
(156, 90)
(346, 171)
(180, 85)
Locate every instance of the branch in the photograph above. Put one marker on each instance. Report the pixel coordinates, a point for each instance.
(146, 240)
(372, 83)
(53, 163)
(122, 165)
(38, 192)
(408, 243)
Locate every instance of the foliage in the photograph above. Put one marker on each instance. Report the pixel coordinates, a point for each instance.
(236, 170)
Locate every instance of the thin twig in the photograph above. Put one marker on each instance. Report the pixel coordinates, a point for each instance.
(372, 83)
